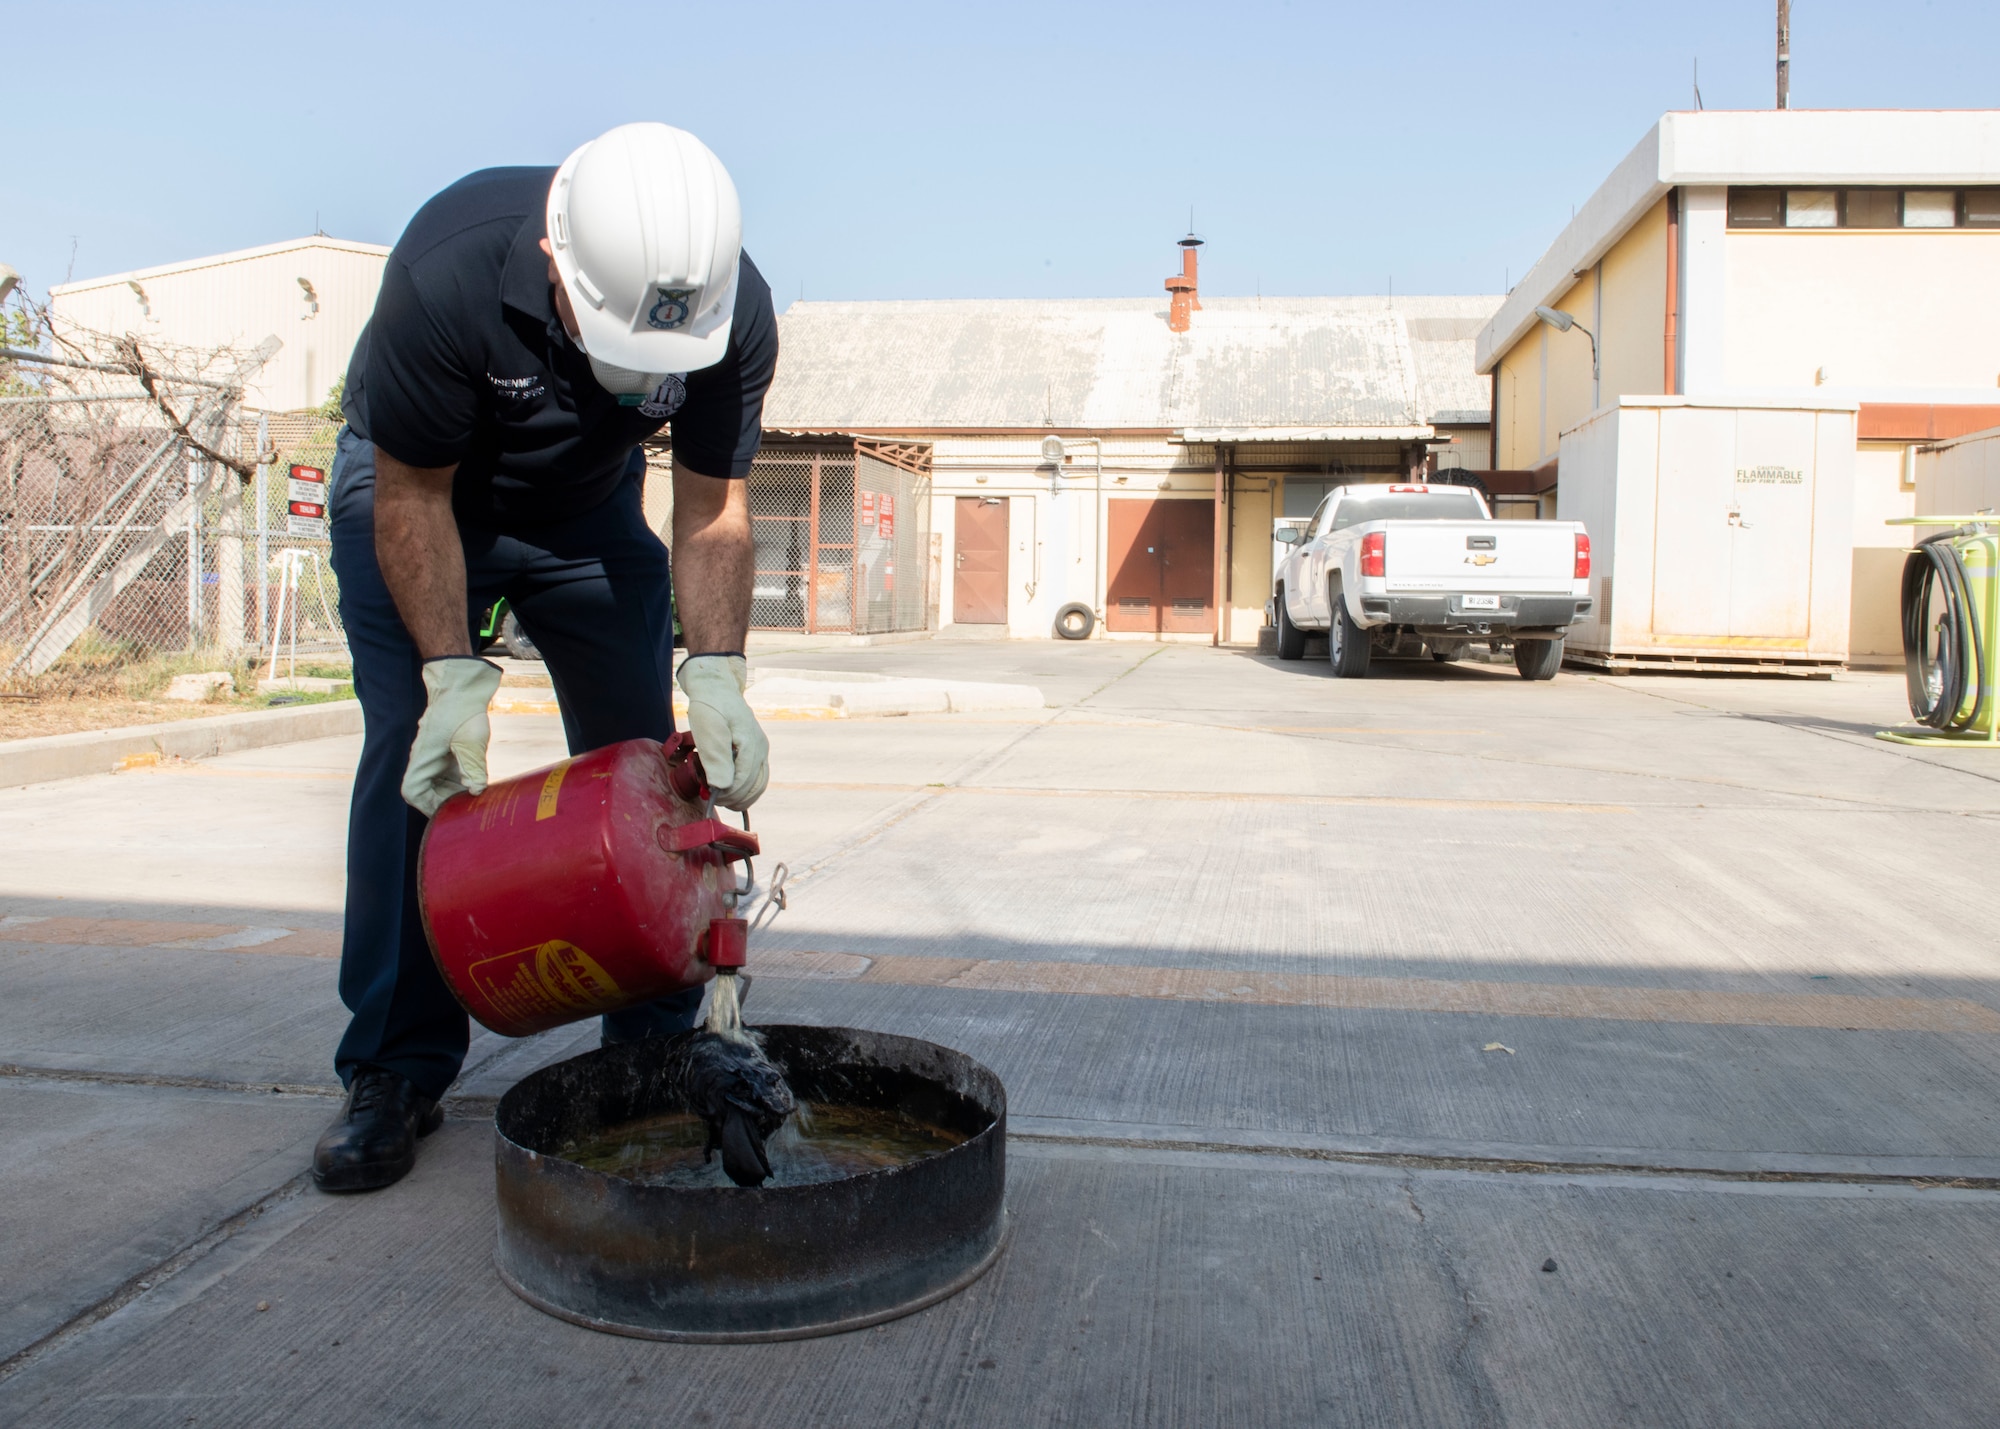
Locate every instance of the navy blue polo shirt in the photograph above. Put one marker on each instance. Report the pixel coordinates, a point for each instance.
(466, 362)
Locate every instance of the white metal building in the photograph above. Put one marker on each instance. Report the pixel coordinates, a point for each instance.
(314, 293)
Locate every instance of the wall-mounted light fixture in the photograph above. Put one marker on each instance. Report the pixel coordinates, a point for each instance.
(145, 303)
(312, 302)
(1563, 322)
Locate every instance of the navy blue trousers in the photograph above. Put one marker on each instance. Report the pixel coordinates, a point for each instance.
(592, 593)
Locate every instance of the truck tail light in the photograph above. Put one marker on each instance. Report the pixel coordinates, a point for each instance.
(1374, 553)
(1582, 556)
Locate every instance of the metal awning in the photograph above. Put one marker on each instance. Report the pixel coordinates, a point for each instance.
(1242, 435)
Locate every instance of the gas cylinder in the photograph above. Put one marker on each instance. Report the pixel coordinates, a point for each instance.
(580, 889)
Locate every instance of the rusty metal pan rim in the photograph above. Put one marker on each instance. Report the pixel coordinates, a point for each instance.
(790, 1332)
(997, 1125)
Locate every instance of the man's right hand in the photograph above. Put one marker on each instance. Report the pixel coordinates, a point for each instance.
(448, 756)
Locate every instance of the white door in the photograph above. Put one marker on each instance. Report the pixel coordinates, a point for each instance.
(1313, 565)
(1694, 533)
(1770, 569)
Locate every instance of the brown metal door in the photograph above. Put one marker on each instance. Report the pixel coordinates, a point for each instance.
(979, 584)
(1162, 559)
(1187, 570)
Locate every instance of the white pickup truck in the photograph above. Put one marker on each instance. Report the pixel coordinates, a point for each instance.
(1386, 567)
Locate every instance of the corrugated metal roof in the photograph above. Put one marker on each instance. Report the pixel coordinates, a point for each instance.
(1106, 364)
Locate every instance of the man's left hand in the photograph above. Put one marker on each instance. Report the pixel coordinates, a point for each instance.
(734, 752)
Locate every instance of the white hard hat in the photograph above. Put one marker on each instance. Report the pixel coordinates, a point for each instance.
(647, 232)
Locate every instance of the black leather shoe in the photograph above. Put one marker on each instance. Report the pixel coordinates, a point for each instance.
(373, 1143)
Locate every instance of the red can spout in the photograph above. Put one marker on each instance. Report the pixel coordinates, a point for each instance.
(727, 943)
(684, 771)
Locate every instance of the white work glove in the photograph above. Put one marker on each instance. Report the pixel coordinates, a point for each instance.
(449, 753)
(734, 753)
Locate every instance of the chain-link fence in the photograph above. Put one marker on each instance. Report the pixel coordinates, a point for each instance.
(144, 512)
(295, 604)
(128, 520)
(842, 535)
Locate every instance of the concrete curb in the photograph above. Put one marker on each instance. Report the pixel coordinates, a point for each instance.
(781, 693)
(847, 693)
(99, 751)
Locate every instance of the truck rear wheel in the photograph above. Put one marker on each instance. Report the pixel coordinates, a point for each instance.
(1538, 659)
(1347, 648)
(516, 640)
(1291, 639)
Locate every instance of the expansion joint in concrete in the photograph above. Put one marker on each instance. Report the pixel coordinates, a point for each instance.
(153, 1279)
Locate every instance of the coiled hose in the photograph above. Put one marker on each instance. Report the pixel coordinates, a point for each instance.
(1939, 644)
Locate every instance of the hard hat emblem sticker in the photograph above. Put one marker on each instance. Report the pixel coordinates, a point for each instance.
(671, 311)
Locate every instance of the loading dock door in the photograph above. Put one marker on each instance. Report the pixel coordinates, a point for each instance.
(1162, 558)
(979, 567)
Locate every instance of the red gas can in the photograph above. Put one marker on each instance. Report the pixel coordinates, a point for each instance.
(579, 889)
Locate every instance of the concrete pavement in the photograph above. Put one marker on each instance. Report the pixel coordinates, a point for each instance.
(1329, 1011)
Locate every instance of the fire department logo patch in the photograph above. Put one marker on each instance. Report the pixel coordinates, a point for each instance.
(671, 311)
(666, 398)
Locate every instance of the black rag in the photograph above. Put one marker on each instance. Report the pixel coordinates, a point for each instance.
(741, 1097)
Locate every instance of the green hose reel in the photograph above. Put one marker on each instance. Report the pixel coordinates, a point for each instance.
(1951, 617)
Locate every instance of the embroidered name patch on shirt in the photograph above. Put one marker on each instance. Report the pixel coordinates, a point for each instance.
(516, 389)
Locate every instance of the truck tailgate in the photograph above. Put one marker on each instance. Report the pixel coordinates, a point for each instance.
(1480, 555)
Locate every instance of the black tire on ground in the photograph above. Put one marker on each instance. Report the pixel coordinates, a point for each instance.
(1291, 639)
(1075, 621)
(516, 639)
(1347, 644)
(1538, 659)
(1446, 654)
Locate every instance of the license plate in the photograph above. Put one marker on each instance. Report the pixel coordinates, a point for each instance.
(1479, 602)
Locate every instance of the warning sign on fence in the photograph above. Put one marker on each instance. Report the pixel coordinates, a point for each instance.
(885, 516)
(306, 492)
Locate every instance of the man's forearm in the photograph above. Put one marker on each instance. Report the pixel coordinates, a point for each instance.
(714, 560)
(420, 556)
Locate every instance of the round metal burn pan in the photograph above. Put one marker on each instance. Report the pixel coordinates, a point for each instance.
(732, 1263)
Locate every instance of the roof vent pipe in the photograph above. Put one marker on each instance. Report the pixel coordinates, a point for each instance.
(1184, 295)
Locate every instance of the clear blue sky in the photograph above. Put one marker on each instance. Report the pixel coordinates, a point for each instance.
(930, 150)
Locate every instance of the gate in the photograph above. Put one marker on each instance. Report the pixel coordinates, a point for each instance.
(842, 536)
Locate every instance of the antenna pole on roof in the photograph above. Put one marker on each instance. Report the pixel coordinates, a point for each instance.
(1784, 54)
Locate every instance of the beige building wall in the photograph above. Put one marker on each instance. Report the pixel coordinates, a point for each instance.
(1047, 568)
(1872, 308)
(1882, 492)
(1468, 447)
(1545, 377)
(1250, 557)
(1569, 391)
(1635, 311)
(236, 300)
(1522, 417)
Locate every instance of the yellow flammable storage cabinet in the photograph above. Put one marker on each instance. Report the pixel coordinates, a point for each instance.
(1722, 533)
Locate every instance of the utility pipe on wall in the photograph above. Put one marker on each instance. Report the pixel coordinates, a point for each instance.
(1221, 614)
(1670, 384)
